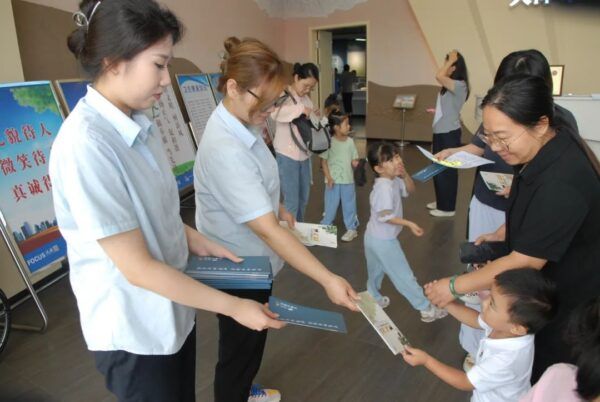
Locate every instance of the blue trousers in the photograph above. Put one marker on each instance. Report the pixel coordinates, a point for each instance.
(346, 193)
(294, 177)
(385, 257)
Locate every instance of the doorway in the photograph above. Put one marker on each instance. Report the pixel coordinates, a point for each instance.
(334, 47)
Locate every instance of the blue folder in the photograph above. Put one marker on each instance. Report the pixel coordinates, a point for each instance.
(220, 273)
(212, 267)
(428, 172)
(306, 316)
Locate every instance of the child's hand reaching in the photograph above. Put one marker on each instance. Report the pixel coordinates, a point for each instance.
(416, 229)
(354, 163)
(414, 356)
(330, 181)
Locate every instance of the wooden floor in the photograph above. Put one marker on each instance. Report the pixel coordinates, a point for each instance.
(305, 364)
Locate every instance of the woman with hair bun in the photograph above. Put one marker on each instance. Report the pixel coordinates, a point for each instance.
(117, 206)
(238, 205)
(292, 156)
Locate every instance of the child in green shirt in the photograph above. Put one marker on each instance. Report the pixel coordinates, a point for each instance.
(338, 163)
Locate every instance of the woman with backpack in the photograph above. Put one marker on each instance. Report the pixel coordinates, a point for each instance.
(293, 157)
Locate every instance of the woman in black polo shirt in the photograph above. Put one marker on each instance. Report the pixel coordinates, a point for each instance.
(487, 209)
(554, 207)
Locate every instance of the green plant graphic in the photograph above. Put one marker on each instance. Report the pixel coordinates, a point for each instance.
(39, 97)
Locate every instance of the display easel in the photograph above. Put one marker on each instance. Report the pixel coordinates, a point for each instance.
(22, 268)
(29, 230)
(404, 102)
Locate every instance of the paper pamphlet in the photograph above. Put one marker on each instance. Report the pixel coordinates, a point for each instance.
(460, 160)
(384, 326)
(496, 181)
(306, 316)
(312, 234)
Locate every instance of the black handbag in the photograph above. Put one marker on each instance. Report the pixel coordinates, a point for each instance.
(469, 253)
(360, 173)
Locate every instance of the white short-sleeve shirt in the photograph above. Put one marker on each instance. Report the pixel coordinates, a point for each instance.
(386, 203)
(110, 175)
(236, 180)
(502, 370)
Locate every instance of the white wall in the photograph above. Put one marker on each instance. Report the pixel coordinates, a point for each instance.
(397, 52)
(10, 68)
(207, 25)
(486, 31)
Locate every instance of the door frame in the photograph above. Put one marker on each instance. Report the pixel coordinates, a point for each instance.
(312, 38)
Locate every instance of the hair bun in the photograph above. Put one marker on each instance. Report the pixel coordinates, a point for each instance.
(76, 41)
(231, 44)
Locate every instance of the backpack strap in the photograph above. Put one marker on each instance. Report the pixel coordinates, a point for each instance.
(302, 148)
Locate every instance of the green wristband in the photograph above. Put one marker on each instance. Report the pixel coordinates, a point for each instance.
(452, 289)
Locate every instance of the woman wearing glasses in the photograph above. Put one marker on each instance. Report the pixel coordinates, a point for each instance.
(553, 209)
(292, 156)
(237, 205)
(487, 210)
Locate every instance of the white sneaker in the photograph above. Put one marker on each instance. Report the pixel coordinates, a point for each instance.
(468, 363)
(350, 235)
(432, 205)
(260, 394)
(438, 213)
(432, 313)
(384, 302)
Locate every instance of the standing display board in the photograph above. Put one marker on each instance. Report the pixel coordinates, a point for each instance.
(198, 99)
(214, 84)
(30, 118)
(70, 91)
(176, 139)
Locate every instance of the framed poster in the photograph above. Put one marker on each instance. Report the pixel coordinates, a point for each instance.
(214, 84)
(30, 118)
(70, 91)
(176, 138)
(557, 79)
(198, 100)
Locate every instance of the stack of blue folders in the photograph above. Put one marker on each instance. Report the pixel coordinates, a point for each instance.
(221, 273)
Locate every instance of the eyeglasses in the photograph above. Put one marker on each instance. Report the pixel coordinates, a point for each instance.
(277, 103)
(492, 139)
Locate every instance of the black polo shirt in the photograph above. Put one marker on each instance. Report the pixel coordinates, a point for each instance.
(554, 214)
(480, 190)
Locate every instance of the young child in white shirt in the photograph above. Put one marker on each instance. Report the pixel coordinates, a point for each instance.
(521, 302)
(383, 251)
